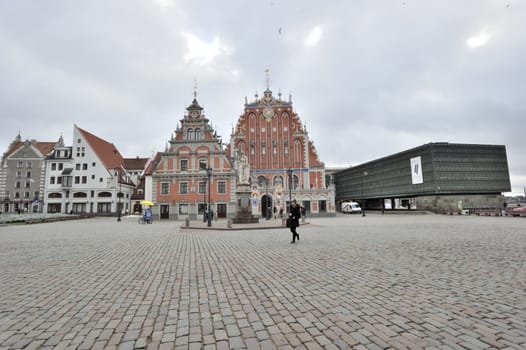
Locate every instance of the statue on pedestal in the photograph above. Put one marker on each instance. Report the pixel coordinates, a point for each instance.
(243, 169)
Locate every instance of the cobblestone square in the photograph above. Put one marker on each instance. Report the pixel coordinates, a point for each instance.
(351, 282)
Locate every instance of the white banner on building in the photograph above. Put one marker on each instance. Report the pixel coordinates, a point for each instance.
(416, 170)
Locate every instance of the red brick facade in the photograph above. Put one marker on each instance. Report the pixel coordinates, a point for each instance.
(271, 134)
(179, 176)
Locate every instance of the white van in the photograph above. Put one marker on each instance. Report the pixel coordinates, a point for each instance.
(351, 208)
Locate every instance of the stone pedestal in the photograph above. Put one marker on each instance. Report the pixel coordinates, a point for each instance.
(244, 211)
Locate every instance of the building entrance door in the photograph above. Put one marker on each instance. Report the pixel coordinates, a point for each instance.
(221, 210)
(165, 211)
(266, 206)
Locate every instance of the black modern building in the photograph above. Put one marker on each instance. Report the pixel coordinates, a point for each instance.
(435, 176)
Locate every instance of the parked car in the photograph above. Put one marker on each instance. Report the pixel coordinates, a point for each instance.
(351, 208)
(517, 211)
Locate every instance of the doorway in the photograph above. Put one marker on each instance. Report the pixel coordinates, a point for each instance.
(165, 211)
(266, 206)
(221, 210)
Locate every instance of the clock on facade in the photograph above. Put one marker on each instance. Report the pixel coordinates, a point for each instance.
(268, 112)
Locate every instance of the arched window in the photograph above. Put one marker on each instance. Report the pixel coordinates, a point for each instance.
(54, 195)
(297, 152)
(104, 194)
(277, 180)
(197, 134)
(189, 134)
(242, 147)
(261, 180)
(79, 195)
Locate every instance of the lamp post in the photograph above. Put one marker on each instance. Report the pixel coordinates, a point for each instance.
(209, 174)
(119, 195)
(266, 200)
(204, 204)
(363, 198)
(289, 173)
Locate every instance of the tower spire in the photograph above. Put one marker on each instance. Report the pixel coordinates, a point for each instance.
(195, 87)
(268, 79)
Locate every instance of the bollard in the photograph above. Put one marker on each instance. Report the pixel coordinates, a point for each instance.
(187, 222)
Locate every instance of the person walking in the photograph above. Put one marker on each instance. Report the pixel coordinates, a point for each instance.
(294, 218)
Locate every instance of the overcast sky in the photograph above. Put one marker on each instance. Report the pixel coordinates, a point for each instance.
(369, 78)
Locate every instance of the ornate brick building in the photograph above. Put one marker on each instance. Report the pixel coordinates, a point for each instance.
(178, 177)
(277, 145)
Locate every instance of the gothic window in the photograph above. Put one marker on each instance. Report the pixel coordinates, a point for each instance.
(241, 146)
(297, 151)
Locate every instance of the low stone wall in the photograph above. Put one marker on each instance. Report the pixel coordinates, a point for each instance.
(447, 203)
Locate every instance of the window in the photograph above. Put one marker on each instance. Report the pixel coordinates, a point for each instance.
(60, 166)
(78, 141)
(85, 166)
(189, 134)
(221, 187)
(93, 177)
(20, 164)
(52, 180)
(183, 188)
(37, 194)
(28, 174)
(77, 179)
(19, 173)
(29, 165)
(93, 164)
(165, 188)
(183, 209)
(84, 179)
(59, 180)
(53, 166)
(197, 134)
(100, 179)
(77, 166)
(202, 187)
(17, 184)
(17, 194)
(26, 194)
(184, 164)
(202, 164)
(28, 184)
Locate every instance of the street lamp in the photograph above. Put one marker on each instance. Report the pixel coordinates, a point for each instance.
(363, 198)
(289, 173)
(119, 195)
(267, 206)
(209, 174)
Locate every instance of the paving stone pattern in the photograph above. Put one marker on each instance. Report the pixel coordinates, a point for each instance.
(375, 282)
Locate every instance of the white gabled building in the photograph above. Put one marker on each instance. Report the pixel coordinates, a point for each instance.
(88, 177)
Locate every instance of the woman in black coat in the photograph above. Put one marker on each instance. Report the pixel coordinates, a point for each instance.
(294, 217)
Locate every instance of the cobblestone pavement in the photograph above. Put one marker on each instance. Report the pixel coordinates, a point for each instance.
(375, 282)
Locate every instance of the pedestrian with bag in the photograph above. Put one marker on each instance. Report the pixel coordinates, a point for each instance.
(294, 220)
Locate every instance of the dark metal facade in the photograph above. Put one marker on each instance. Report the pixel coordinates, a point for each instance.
(446, 168)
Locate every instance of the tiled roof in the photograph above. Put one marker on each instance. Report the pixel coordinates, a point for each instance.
(135, 163)
(106, 151)
(43, 147)
(149, 168)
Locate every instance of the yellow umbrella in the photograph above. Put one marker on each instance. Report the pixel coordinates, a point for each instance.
(145, 202)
